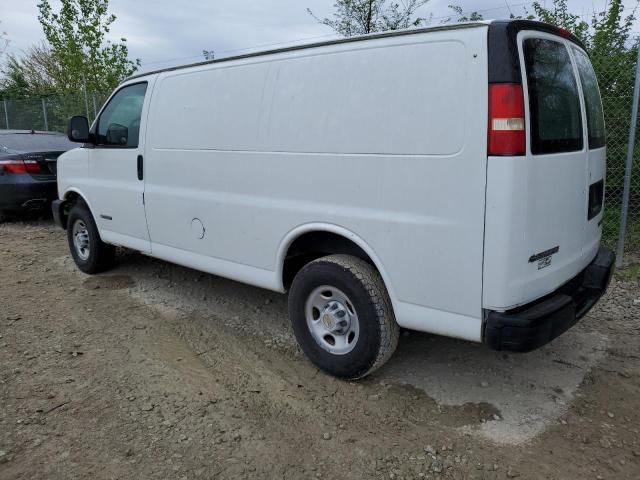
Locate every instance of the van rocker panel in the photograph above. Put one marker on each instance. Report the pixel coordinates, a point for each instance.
(531, 326)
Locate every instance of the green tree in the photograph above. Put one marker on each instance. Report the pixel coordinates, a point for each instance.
(359, 17)
(462, 16)
(4, 41)
(558, 14)
(76, 36)
(27, 80)
(31, 74)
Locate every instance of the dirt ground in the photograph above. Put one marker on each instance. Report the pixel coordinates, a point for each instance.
(157, 371)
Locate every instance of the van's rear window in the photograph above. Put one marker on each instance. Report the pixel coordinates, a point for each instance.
(593, 103)
(554, 102)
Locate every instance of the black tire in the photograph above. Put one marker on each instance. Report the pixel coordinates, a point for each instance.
(361, 283)
(99, 256)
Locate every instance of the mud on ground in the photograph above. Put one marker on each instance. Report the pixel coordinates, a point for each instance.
(157, 371)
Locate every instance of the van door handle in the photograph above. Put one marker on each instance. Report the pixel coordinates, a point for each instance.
(140, 168)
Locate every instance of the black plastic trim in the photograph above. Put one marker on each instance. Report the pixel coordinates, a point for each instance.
(57, 208)
(531, 326)
(596, 199)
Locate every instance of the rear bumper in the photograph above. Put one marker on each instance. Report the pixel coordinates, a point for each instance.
(533, 325)
(27, 194)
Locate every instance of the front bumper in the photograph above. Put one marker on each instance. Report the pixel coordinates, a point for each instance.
(533, 325)
(59, 218)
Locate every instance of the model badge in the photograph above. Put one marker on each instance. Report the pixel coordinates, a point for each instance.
(544, 258)
(544, 262)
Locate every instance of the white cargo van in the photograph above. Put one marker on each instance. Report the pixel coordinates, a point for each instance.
(447, 180)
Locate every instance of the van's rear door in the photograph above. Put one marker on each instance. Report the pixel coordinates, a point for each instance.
(595, 139)
(544, 208)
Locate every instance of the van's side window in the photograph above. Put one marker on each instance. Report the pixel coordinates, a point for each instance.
(554, 102)
(593, 103)
(119, 123)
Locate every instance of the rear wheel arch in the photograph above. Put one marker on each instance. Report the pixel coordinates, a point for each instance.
(310, 242)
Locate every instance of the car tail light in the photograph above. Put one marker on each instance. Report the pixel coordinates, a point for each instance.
(506, 119)
(32, 166)
(20, 166)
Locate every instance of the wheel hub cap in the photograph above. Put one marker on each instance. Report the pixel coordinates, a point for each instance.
(332, 320)
(335, 318)
(81, 239)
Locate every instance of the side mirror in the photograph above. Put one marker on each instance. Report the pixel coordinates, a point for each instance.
(78, 130)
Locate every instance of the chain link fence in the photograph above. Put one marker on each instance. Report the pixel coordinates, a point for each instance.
(52, 113)
(49, 113)
(616, 88)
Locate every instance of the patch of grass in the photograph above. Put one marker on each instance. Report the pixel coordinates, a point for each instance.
(629, 274)
(611, 227)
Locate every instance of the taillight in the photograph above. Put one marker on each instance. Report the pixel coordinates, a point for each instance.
(506, 119)
(32, 166)
(20, 166)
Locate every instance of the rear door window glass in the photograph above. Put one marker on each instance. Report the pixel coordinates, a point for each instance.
(554, 102)
(593, 103)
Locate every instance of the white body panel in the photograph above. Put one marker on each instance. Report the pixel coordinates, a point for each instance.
(371, 139)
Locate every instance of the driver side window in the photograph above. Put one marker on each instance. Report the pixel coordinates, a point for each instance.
(119, 123)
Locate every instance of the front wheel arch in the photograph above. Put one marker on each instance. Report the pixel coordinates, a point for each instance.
(69, 200)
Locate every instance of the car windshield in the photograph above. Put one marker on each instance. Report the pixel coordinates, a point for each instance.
(11, 142)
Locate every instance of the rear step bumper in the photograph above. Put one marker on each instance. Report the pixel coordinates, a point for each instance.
(533, 325)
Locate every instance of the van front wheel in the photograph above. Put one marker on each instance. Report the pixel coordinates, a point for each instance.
(89, 252)
(342, 317)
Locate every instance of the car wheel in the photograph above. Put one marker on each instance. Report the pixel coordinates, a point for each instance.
(89, 252)
(342, 316)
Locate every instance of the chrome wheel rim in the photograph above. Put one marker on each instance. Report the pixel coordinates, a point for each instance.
(332, 320)
(80, 235)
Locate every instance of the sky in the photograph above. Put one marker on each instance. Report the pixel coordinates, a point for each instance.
(165, 33)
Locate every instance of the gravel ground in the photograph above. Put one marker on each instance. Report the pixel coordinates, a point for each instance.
(157, 371)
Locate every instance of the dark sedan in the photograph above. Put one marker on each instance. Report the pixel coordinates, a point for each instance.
(28, 169)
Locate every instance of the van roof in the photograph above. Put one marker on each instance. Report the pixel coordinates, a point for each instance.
(508, 25)
(304, 46)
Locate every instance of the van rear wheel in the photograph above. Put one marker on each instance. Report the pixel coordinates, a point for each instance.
(89, 252)
(342, 317)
